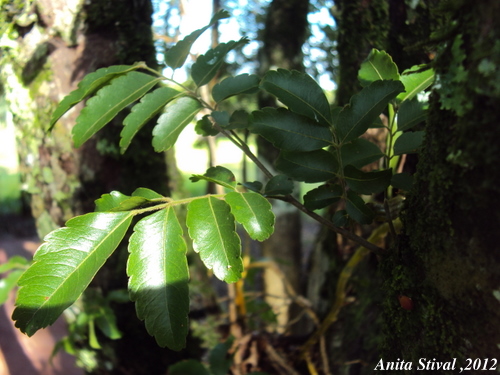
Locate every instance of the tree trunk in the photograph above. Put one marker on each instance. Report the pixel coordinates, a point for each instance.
(52, 45)
(283, 36)
(447, 261)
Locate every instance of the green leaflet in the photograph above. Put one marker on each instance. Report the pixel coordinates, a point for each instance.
(8, 283)
(254, 212)
(188, 367)
(89, 85)
(408, 142)
(14, 262)
(158, 272)
(146, 193)
(177, 55)
(289, 131)
(205, 127)
(313, 166)
(300, 93)
(279, 185)
(218, 175)
(357, 208)
(150, 105)
(322, 196)
(213, 231)
(367, 182)
(364, 107)
(108, 101)
(178, 115)
(206, 66)
(377, 66)
(241, 84)
(402, 181)
(411, 112)
(64, 265)
(109, 201)
(359, 153)
(415, 81)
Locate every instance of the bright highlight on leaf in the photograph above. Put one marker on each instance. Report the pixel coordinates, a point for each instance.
(158, 273)
(64, 266)
(213, 231)
(377, 66)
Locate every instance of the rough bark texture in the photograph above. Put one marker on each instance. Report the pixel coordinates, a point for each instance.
(284, 34)
(448, 259)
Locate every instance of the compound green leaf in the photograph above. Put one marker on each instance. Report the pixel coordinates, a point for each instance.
(89, 85)
(279, 185)
(415, 80)
(64, 266)
(108, 101)
(241, 84)
(130, 204)
(364, 108)
(377, 66)
(150, 105)
(411, 112)
(408, 142)
(367, 182)
(359, 153)
(158, 277)
(218, 175)
(206, 66)
(254, 212)
(212, 228)
(357, 208)
(313, 166)
(322, 196)
(290, 131)
(177, 55)
(170, 124)
(300, 93)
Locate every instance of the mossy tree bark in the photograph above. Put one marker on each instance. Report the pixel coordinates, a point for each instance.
(47, 47)
(448, 260)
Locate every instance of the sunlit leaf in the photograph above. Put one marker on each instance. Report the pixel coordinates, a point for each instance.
(313, 166)
(254, 212)
(408, 142)
(109, 201)
(111, 99)
(410, 113)
(364, 107)
(230, 86)
(377, 66)
(146, 193)
(279, 185)
(106, 321)
(89, 85)
(289, 131)
(357, 208)
(150, 105)
(415, 80)
(177, 55)
(213, 231)
(367, 182)
(322, 196)
(206, 66)
(158, 273)
(300, 93)
(178, 115)
(218, 175)
(360, 152)
(64, 266)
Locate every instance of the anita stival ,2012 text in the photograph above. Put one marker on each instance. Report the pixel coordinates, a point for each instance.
(425, 364)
